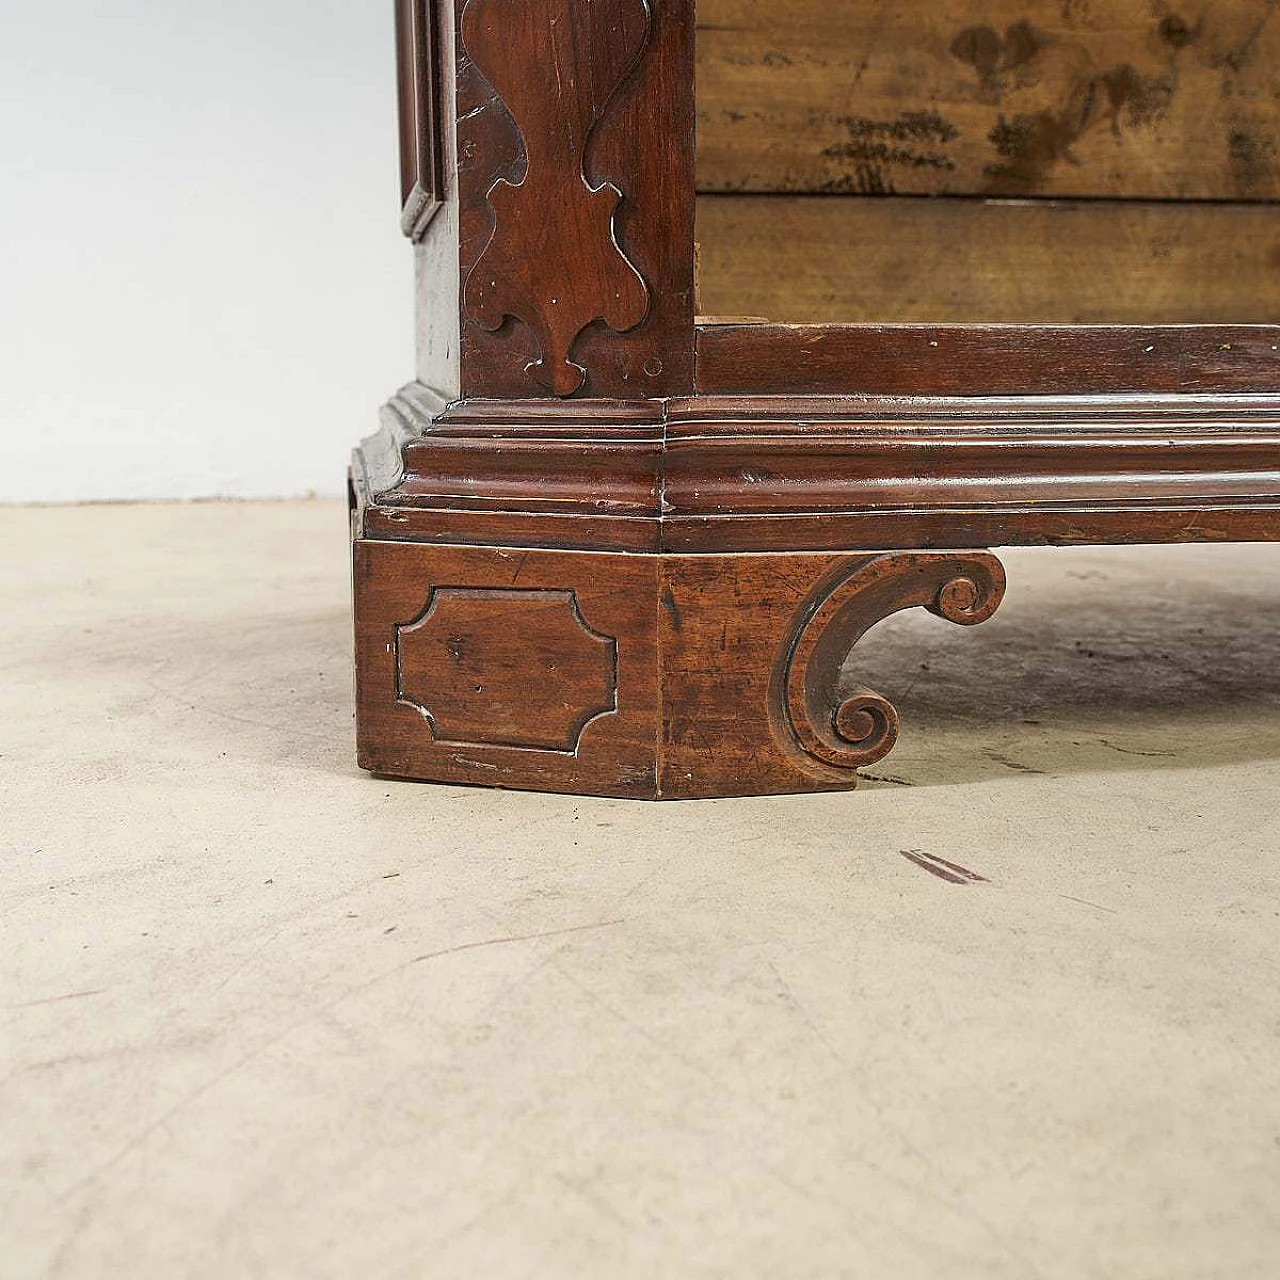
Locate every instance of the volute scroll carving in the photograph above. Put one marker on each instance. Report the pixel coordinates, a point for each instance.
(843, 728)
(553, 261)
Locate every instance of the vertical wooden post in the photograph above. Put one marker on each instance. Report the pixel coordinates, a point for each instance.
(576, 197)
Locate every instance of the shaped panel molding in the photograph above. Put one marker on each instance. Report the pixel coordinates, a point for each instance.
(506, 667)
(418, 84)
(553, 261)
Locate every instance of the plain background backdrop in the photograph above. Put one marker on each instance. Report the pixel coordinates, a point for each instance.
(204, 290)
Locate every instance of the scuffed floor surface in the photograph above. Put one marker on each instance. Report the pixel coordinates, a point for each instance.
(264, 1016)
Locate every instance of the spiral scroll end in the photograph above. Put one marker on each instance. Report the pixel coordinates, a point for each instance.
(867, 728)
(824, 724)
(973, 596)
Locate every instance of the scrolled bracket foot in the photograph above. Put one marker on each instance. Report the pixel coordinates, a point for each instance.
(827, 724)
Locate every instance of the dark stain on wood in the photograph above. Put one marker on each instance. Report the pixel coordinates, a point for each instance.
(671, 608)
(874, 143)
(1063, 81)
(1032, 144)
(996, 59)
(1175, 32)
(1236, 59)
(1252, 158)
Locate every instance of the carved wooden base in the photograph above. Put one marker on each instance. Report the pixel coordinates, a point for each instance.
(656, 598)
(604, 547)
(655, 676)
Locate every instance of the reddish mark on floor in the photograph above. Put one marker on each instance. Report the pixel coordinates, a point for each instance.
(951, 872)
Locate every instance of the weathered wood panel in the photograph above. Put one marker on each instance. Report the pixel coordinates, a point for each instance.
(1138, 99)
(823, 260)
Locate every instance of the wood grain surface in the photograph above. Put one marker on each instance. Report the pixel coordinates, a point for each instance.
(559, 122)
(556, 284)
(989, 360)
(1135, 99)
(832, 260)
(743, 470)
(630, 557)
(643, 676)
(513, 619)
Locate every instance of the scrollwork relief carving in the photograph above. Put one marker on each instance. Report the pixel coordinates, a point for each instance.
(553, 261)
(846, 728)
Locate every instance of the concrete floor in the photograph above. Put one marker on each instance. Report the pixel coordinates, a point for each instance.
(265, 1016)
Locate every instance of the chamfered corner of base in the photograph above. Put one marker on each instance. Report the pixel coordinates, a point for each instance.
(513, 668)
(593, 673)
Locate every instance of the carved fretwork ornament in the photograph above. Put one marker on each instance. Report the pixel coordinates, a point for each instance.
(553, 261)
(844, 727)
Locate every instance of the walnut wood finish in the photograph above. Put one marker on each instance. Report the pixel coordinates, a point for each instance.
(458, 703)
(418, 91)
(465, 663)
(735, 473)
(987, 360)
(846, 728)
(556, 284)
(635, 675)
(554, 100)
(632, 556)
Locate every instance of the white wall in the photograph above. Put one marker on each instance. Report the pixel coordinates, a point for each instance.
(203, 288)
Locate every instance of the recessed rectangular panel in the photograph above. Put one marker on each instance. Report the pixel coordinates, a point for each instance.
(417, 77)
